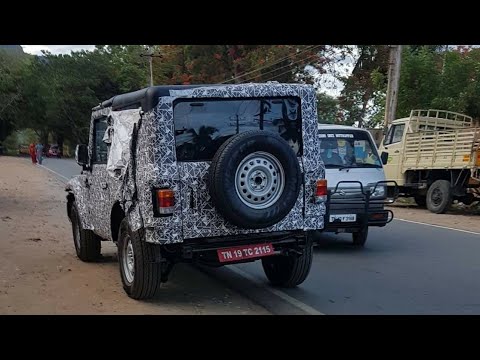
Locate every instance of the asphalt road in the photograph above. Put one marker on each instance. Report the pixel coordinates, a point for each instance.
(405, 268)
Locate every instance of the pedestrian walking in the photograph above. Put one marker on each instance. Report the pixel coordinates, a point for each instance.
(39, 150)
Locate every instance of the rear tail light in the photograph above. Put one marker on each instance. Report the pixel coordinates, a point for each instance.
(165, 201)
(321, 191)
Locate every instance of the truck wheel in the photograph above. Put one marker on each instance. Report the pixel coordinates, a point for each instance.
(87, 244)
(291, 270)
(439, 196)
(360, 237)
(141, 275)
(420, 200)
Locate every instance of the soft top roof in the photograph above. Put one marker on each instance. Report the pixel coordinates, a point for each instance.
(146, 98)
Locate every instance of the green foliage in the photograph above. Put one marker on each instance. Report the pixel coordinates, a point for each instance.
(328, 109)
(11, 64)
(54, 94)
(360, 99)
(448, 80)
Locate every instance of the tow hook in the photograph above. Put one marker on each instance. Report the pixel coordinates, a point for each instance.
(289, 251)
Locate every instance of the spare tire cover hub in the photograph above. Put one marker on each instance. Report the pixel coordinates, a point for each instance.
(259, 180)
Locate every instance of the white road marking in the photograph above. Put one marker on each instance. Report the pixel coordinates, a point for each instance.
(43, 166)
(438, 226)
(292, 301)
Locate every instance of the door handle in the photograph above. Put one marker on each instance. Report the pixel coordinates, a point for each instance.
(396, 151)
(104, 185)
(87, 184)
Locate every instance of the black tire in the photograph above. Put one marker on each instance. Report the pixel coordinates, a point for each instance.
(87, 245)
(222, 174)
(439, 196)
(420, 200)
(289, 271)
(360, 237)
(147, 273)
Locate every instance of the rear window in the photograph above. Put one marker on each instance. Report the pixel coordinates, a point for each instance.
(352, 149)
(203, 125)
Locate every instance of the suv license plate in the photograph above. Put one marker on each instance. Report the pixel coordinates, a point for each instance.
(343, 218)
(244, 252)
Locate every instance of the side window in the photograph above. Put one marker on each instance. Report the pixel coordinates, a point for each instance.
(395, 134)
(100, 148)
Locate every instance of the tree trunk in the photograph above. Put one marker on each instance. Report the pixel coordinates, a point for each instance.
(44, 138)
(60, 143)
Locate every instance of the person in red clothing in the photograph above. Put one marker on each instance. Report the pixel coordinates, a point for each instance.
(33, 153)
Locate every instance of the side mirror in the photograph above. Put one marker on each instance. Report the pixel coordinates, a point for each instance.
(384, 157)
(81, 155)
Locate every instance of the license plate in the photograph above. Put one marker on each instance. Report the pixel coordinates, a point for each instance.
(244, 252)
(343, 218)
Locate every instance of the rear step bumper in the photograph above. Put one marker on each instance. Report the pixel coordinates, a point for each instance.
(205, 250)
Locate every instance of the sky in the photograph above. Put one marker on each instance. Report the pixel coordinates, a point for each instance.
(55, 49)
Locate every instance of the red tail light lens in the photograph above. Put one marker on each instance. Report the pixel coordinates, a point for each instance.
(321, 188)
(165, 201)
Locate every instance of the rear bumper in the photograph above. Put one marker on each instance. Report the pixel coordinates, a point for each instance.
(204, 250)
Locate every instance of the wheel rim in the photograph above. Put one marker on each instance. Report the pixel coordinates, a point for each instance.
(437, 197)
(128, 260)
(259, 180)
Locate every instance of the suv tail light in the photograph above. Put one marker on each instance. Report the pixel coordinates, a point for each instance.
(321, 191)
(165, 202)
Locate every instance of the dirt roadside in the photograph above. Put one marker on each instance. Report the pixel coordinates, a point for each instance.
(458, 217)
(40, 273)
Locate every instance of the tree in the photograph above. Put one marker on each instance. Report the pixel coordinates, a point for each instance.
(10, 96)
(327, 109)
(357, 96)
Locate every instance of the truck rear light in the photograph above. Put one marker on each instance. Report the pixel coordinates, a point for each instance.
(321, 190)
(165, 203)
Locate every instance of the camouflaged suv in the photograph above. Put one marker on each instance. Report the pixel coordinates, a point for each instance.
(209, 174)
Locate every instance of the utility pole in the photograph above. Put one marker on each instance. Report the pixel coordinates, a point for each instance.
(151, 55)
(393, 81)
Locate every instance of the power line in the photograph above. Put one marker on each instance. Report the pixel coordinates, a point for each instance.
(253, 70)
(282, 67)
(310, 47)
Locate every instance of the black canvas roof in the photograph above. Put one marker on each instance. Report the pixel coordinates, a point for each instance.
(146, 98)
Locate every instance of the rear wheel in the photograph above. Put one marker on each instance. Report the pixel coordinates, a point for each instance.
(141, 275)
(360, 237)
(439, 196)
(87, 244)
(289, 271)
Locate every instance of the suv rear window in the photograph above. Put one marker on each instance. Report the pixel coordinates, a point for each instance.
(203, 125)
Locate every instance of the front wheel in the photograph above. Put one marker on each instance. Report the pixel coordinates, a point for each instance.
(289, 270)
(141, 275)
(360, 237)
(87, 244)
